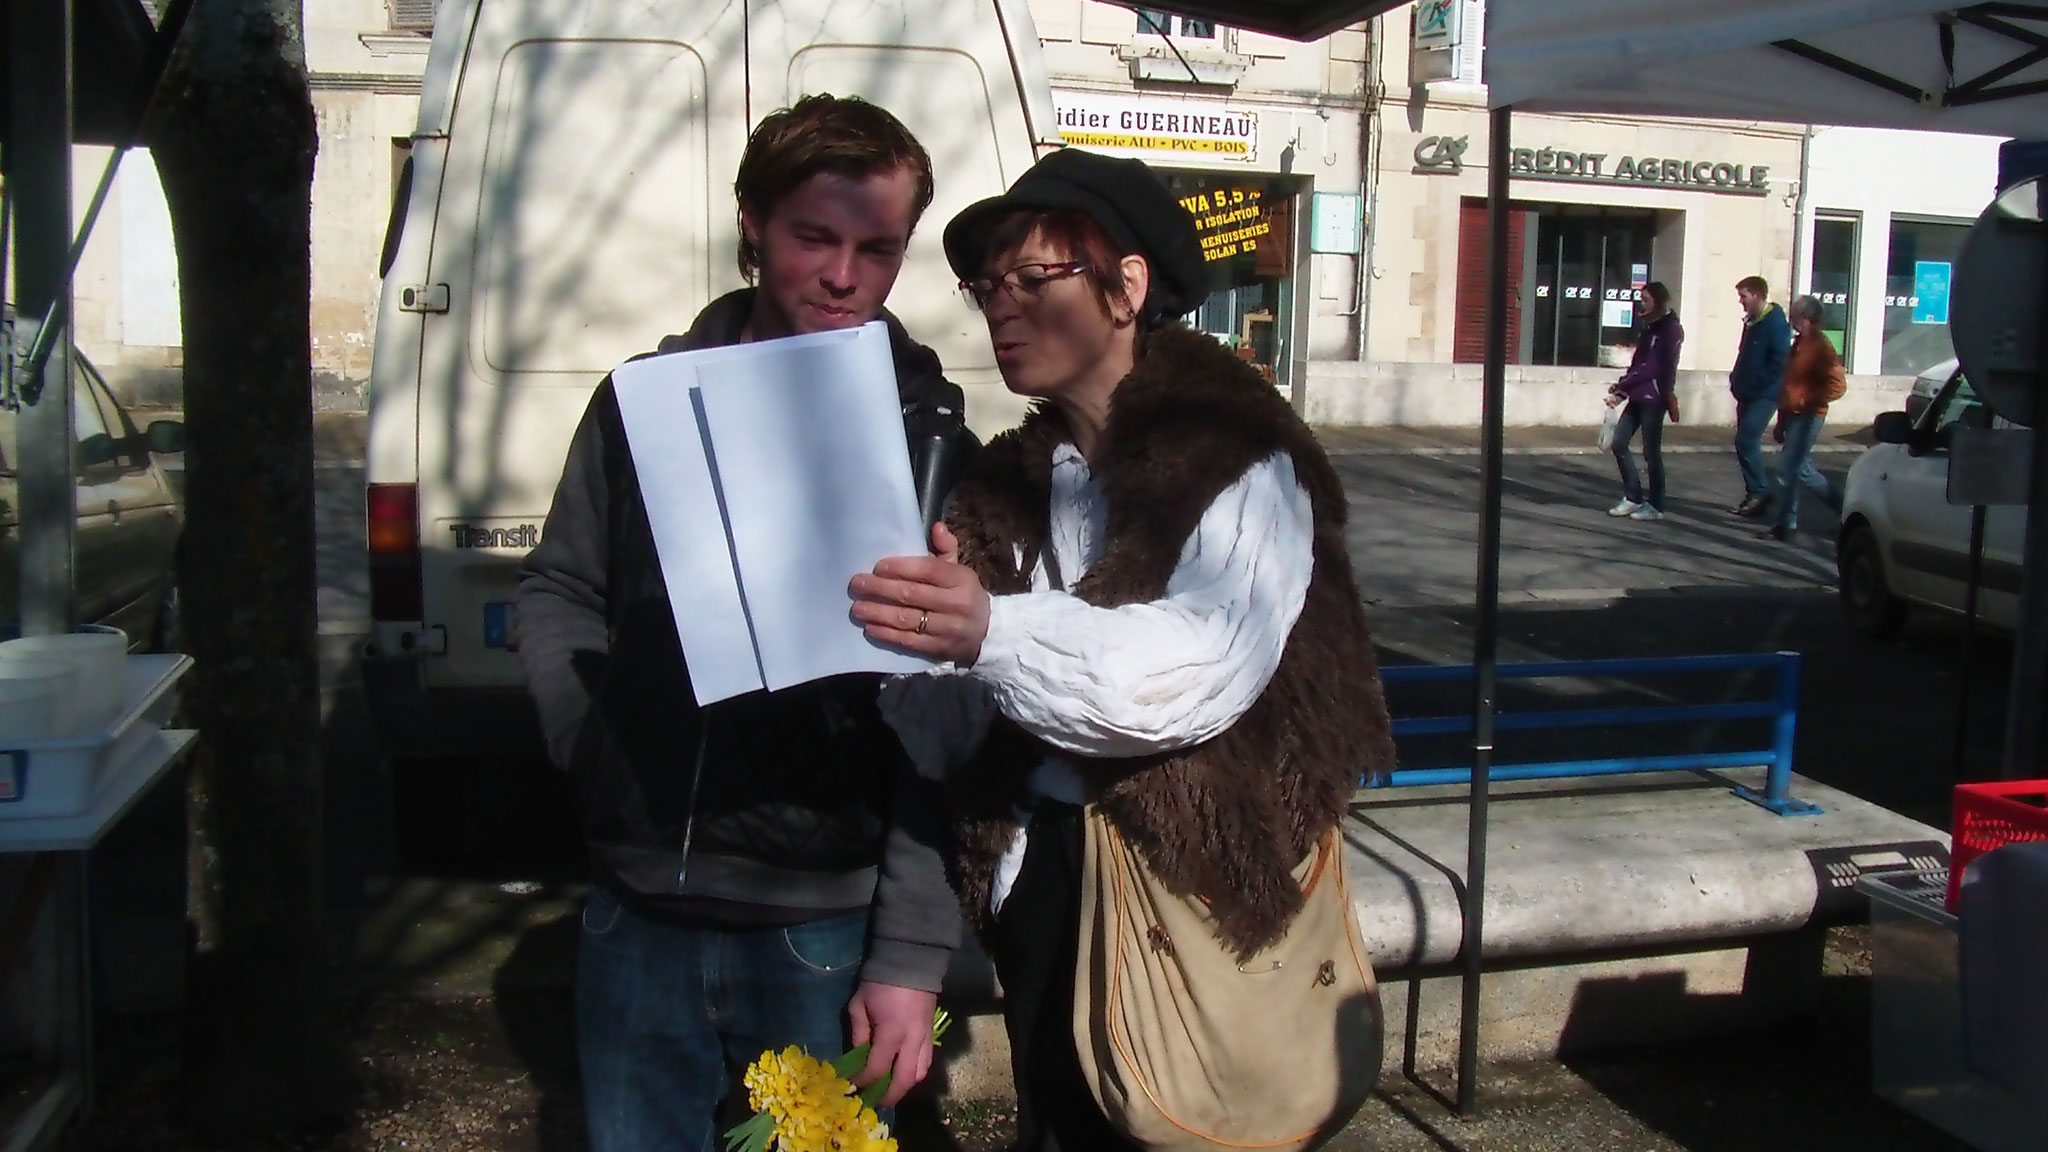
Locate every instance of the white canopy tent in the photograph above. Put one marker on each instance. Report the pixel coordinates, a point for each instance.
(1876, 63)
(1980, 68)
(1912, 64)
(1909, 64)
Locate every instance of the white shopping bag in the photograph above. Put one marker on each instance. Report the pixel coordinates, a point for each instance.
(1607, 424)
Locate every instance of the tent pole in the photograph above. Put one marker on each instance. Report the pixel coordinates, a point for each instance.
(1486, 630)
(38, 163)
(57, 320)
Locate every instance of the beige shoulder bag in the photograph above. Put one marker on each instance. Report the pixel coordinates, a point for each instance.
(1186, 1048)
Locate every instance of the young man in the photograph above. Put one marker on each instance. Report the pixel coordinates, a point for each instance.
(1759, 372)
(767, 867)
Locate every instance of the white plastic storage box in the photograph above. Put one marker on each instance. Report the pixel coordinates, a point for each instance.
(41, 778)
(1917, 1058)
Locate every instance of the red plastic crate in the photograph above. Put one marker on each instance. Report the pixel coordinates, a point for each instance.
(1991, 816)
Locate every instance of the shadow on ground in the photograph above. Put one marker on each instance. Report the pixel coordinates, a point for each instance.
(1775, 1091)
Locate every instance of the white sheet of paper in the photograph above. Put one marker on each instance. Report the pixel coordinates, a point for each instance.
(815, 474)
(658, 407)
(772, 472)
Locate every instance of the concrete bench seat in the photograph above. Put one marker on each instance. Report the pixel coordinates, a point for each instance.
(1591, 866)
(1619, 910)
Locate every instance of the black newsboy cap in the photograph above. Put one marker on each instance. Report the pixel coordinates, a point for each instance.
(1125, 197)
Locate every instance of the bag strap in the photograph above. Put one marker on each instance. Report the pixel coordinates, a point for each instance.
(1052, 567)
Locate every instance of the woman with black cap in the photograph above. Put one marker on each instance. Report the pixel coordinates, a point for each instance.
(1141, 600)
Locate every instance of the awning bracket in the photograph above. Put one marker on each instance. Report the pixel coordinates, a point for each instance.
(1855, 71)
(1994, 18)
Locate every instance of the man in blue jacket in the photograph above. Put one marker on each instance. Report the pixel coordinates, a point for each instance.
(1759, 371)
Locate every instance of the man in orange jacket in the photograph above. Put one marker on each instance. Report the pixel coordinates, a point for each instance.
(1813, 379)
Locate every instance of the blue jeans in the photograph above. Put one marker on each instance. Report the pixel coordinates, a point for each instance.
(1752, 417)
(1795, 466)
(669, 1013)
(1650, 418)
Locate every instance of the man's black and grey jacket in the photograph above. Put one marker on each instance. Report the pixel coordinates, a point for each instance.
(768, 808)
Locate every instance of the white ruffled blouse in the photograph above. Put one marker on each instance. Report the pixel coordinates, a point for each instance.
(1131, 680)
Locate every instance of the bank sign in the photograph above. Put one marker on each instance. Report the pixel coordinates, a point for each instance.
(1158, 130)
(1640, 171)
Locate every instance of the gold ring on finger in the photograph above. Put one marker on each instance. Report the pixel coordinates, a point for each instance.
(924, 622)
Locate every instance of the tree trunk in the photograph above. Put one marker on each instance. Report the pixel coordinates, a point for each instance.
(233, 138)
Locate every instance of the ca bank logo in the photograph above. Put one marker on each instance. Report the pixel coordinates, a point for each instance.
(1433, 18)
(1441, 154)
(1437, 24)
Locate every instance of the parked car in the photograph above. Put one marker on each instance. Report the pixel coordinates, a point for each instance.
(1902, 544)
(1927, 386)
(129, 521)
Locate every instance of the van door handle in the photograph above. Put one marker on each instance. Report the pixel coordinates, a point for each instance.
(424, 298)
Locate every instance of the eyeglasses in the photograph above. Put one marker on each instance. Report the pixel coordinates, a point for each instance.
(1025, 281)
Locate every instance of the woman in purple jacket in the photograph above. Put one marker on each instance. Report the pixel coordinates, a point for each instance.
(1646, 390)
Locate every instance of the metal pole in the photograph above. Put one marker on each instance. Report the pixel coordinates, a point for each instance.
(1963, 674)
(1557, 299)
(1785, 729)
(39, 182)
(1486, 629)
(149, 81)
(1801, 280)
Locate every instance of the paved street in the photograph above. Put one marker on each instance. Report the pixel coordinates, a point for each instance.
(1415, 529)
(339, 561)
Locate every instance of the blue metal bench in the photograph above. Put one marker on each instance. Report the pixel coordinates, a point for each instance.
(1782, 710)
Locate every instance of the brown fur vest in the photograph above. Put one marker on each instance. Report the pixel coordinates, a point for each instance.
(1225, 820)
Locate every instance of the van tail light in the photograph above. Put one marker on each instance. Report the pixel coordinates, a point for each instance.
(394, 533)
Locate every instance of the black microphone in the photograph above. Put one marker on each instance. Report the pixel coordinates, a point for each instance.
(939, 459)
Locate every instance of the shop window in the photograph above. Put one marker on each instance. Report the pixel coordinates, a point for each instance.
(1832, 276)
(1577, 269)
(1246, 225)
(1918, 270)
(1154, 22)
(1588, 264)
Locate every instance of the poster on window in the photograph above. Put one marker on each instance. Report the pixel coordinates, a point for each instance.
(1930, 291)
(1229, 220)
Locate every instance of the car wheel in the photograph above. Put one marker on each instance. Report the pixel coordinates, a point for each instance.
(1867, 601)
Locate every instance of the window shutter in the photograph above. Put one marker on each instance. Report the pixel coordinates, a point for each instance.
(1468, 334)
(1473, 50)
(412, 15)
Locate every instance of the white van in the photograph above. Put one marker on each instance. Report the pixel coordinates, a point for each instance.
(568, 201)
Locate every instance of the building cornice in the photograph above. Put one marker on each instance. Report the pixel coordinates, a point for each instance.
(395, 84)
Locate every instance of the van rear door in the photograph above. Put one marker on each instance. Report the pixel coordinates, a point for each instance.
(585, 211)
(967, 80)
